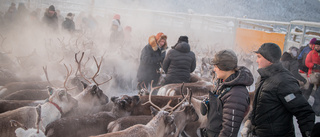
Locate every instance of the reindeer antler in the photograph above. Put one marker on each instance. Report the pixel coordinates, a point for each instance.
(175, 107)
(150, 96)
(79, 65)
(98, 70)
(46, 73)
(67, 77)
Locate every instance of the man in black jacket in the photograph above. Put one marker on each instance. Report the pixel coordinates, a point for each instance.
(278, 98)
(179, 63)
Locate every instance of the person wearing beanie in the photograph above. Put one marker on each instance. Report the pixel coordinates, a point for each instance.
(181, 39)
(303, 54)
(277, 99)
(229, 100)
(178, 64)
(50, 18)
(150, 60)
(68, 24)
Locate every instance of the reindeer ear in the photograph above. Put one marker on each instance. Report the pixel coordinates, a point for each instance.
(50, 90)
(61, 94)
(136, 99)
(113, 98)
(154, 111)
(168, 120)
(84, 85)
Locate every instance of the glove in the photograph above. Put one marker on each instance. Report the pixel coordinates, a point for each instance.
(204, 107)
(247, 129)
(306, 134)
(316, 66)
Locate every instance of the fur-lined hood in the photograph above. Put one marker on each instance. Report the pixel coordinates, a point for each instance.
(153, 42)
(161, 36)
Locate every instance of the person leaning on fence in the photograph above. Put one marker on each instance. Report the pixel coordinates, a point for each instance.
(150, 60)
(229, 101)
(277, 99)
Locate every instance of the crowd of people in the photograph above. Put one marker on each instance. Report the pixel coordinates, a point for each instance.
(279, 93)
(280, 90)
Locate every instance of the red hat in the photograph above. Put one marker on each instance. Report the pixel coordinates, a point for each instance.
(117, 16)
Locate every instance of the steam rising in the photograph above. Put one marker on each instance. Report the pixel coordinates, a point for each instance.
(28, 44)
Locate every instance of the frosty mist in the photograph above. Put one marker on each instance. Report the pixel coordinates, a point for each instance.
(28, 45)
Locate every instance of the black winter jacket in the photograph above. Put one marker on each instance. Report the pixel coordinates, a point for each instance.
(277, 99)
(228, 103)
(292, 65)
(68, 24)
(149, 65)
(52, 21)
(179, 63)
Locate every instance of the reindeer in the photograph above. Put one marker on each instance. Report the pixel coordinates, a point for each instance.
(28, 94)
(184, 115)
(6, 105)
(92, 98)
(60, 102)
(162, 124)
(93, 124)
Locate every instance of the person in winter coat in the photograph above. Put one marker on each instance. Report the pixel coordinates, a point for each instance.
(229, 101)
(68, 24)
(11, 14)
(303, 54)
(290, 62)
(150, 60)
(277, 99)
(179, 63)
(50, 18)
(313, 58)
(116, 36)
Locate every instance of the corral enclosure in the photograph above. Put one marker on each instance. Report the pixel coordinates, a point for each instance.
(30, 45)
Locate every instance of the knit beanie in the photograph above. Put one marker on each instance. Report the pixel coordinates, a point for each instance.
(312, 41)
(270, 51)
(51, 8)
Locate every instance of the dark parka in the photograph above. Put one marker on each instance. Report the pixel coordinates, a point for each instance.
(292, 65)
(150, 60)
(228, 103)
(68, 24)
(277, 99)
(179, 63)
(50, 21)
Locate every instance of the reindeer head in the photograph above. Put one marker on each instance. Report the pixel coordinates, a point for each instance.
(124, 103)
(91, 96)
(165, 119)
(64, 100)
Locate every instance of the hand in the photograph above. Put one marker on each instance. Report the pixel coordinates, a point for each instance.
(246, 130)
(306, 134)
(316, 66)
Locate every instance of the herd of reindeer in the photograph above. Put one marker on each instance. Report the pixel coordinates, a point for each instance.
(78, 107)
